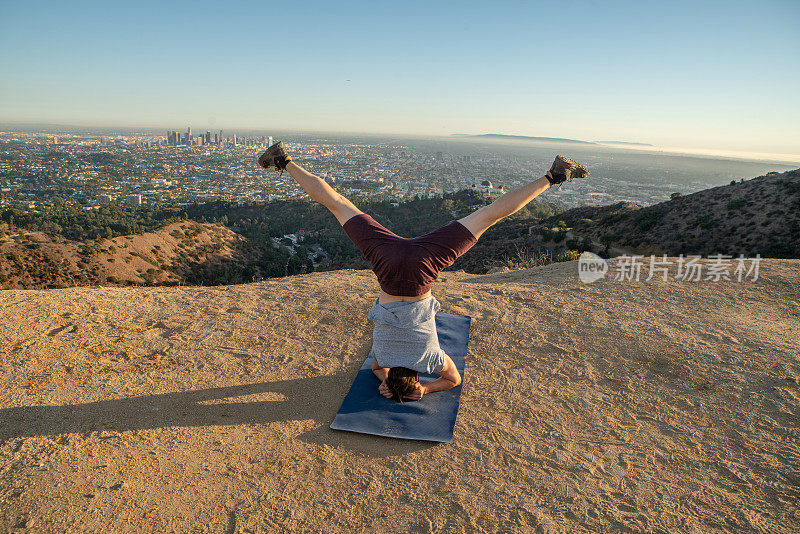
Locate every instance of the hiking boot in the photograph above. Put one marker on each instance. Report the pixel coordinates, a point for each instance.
(564, 169)
(275, 156)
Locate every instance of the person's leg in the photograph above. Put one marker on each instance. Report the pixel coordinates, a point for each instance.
(365, 232)
(480, 220)
(323, 193)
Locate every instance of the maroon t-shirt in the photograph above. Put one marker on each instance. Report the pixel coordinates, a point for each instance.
(408, 267)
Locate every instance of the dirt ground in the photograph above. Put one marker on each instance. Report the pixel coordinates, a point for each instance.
(645, 406)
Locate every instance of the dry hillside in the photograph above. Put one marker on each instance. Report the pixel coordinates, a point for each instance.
(758, 216)
(617, 406)
(33, 260)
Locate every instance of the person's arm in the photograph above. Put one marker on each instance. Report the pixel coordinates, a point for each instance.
(322, 192)
(381, 373)
(449, 377)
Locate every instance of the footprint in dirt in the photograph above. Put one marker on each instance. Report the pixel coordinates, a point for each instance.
(60, 329)
(622, 461)
(168, 331)
(327, 319)
(172, 331)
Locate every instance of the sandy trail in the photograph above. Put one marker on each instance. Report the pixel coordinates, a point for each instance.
(619, 406)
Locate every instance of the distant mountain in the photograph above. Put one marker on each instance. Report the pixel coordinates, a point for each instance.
(622, 143)
(526, 138)
(549, 139)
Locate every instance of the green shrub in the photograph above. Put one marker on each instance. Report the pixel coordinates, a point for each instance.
(704, 221)
(647, 218)
(568, 255)
(780, 250)
(608, 237)
(735, 204)
(547, 235)
(790, 186)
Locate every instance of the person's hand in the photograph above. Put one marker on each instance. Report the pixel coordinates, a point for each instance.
(383, 389)
(419, 391)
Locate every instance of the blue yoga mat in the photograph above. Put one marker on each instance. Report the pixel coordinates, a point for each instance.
(433, 418)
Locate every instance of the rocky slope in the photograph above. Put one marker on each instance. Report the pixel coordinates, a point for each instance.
(758, 216)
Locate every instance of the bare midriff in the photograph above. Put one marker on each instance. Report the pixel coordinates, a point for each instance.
(385, 297)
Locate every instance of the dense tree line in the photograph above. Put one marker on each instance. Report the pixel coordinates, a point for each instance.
(259, 256)
(75, 223)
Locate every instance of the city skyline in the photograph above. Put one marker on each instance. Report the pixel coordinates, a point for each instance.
(175, 138)
(628, 72)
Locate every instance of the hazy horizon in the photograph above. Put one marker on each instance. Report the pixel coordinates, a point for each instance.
(128, 129)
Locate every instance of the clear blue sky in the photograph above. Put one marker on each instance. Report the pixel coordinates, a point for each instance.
(695, 74)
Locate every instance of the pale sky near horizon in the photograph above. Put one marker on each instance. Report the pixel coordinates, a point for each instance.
(710, 75)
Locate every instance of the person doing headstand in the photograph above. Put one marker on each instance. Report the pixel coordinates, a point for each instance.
(405, 340)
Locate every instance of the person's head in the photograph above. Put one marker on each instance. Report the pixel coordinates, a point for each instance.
(401, 381)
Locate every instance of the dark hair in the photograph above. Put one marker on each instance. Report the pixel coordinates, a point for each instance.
(401, 381)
